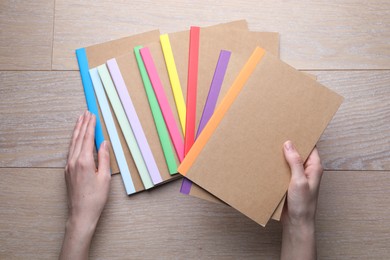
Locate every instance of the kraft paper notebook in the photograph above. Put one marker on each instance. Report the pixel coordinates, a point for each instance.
(153, 59)
(238, 156)
(126, 128)
(162, 130)
(95, 55)
(111, 83)
(240, 43)
(152, 175)
(180, 44)
(130, 177)
(159, 57)
(167, 100)
(212, 42)
(177, 69)
(128, 68)
(119, 77)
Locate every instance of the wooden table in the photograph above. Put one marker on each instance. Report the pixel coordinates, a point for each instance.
(346, 44)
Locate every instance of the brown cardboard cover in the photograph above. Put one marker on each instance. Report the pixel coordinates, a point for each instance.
(236, 41)
(200, 193)
(98, 54)
(130, 73)
(180, 44)
(242, 163)
(240, 43)
(159, 62)
(136, 178)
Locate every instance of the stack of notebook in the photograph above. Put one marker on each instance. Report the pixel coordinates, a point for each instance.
(213, 104)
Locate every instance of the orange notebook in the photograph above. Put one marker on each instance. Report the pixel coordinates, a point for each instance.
(238, 156)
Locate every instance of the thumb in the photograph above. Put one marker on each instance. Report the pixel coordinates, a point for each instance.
(104, 158)
(294, 160)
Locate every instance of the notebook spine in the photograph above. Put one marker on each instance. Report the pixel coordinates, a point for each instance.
(89, 94)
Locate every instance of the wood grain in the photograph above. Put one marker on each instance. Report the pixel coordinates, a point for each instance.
(26, 34)
(344, 39)
(358, 138)
(172, 225)
(38, 111)
(314, 34)
(45, 105)
(353, 216)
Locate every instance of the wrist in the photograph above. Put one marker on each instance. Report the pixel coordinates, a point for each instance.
(298, 241)
(304, 225)
(298, 220)
(299, 231)
(77, 239)
(80, 228)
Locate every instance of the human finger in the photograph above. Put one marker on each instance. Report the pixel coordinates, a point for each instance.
(89, 137)
(104, 159)
(80, 137)
(75, 134)
(294, 160)
(313, 167)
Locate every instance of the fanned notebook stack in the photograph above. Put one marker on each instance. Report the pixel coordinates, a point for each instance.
(214, 104)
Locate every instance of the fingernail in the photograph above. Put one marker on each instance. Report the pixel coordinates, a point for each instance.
(80, 118)
(105, 145)
(86, 113)
(288, 146)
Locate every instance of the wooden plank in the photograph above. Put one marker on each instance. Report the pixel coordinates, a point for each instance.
(26, 34)
(358, 138)
(38, 111)
(45, 105)
(314, 34)
(353, 221)
(33, 213)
